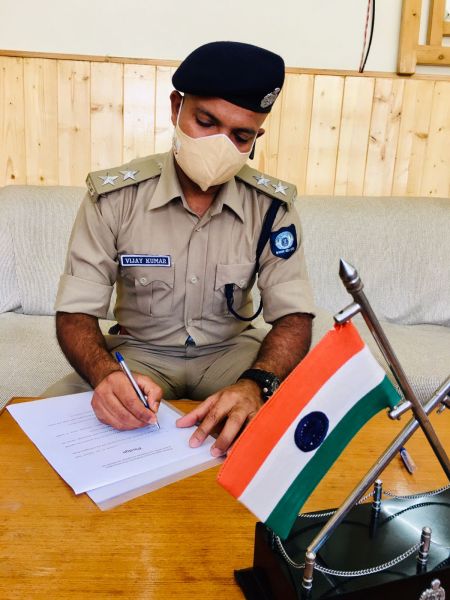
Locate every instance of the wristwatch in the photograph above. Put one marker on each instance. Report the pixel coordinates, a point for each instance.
(267, 381)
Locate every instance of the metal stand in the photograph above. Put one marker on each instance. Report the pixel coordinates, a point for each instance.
(424, 551)
(354, 286)
(377, 493)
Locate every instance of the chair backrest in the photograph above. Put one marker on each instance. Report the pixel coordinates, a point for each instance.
(400, 247)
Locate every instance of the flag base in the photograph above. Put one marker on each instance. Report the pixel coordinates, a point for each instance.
(364, 539)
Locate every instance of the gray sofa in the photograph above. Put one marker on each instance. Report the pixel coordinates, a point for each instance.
(401, 248)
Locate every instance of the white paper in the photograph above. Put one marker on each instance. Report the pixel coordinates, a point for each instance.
(112, 495)
(88, 454)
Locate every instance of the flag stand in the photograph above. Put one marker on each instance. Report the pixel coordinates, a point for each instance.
(353, 284)
(266, 543)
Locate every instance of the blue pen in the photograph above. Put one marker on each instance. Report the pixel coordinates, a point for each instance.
(123, 365)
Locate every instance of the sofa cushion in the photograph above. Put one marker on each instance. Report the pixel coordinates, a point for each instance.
(30, 355)
(400, 247)
(41, 221)
(31, 358)
(9, 288)
(423, 350)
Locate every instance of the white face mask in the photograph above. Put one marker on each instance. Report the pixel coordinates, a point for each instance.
(208, 160)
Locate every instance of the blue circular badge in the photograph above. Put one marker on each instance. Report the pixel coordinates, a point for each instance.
(311, 431)
(284, 240)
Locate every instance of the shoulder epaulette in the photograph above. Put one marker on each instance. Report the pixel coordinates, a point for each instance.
(135, 171)
(270, 186)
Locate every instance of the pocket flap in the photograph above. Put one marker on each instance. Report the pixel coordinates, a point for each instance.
(146, 275)
(240, 275)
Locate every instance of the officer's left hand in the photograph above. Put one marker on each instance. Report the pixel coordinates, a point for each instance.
(236, 405)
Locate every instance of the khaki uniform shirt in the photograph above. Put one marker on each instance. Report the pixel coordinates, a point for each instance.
(171, 266)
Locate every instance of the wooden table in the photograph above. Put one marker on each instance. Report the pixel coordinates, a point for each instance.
(183, 541)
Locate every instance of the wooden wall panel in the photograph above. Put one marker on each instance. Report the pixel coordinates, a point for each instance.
(383, 136)
(294, 129)
(12, 126)
(163, 123)
(436, 168)
(413, 137)
(41, 121)
(74, 121)
(138, 111)
(328, 133)
(354, 136)
(106, 115)
(324, 134)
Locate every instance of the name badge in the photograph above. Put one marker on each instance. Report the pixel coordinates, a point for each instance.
(145, 260)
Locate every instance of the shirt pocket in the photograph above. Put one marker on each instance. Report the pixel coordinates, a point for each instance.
(153, 288)
(241, 277)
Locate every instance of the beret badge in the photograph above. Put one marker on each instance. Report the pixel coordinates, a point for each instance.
(269, 99)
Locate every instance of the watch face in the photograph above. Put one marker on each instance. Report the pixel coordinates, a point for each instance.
(271, 383)
(274, 384)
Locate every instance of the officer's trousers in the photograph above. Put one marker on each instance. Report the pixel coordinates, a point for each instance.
(192, 372)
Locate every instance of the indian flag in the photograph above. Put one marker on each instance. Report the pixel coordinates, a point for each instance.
(299, 433)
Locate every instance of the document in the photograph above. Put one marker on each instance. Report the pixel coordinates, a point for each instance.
(111, 465)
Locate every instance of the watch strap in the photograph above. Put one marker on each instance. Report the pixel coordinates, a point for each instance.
(266, 380)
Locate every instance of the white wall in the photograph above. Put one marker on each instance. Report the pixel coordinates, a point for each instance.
(307, 33)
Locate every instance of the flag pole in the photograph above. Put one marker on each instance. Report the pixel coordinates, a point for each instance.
(353, 284)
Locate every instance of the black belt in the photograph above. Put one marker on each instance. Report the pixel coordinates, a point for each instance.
(189, 341)
(118, 329)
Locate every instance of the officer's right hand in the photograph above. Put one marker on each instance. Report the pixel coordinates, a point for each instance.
(116, 403)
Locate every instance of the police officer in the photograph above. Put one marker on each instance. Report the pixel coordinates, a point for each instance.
(183, 235)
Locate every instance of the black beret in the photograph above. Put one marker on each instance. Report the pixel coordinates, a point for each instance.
(243, 74)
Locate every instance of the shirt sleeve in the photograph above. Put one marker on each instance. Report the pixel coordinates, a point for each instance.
(283, 277)
(91, 264)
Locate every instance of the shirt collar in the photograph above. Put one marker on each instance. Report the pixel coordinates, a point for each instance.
(230, 196)
(168, 188)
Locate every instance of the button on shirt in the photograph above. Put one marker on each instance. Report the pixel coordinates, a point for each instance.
(171, 266)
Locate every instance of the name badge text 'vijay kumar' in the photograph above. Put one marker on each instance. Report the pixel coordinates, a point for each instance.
(145, 260)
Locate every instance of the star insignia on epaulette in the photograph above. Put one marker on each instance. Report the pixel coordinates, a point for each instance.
(108, 179)
(261, 180)
(129, 175)
(280, 188)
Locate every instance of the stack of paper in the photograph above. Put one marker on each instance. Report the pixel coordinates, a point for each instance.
(111, 466)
